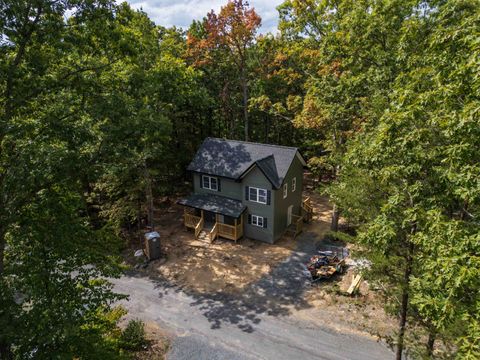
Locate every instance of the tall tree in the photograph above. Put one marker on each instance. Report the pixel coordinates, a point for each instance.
(232, 30)
(408, 182)
(45, 139)
(353, 48)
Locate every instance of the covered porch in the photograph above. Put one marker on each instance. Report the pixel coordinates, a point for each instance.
(218, 215)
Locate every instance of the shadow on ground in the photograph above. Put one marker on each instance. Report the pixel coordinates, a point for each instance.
(274, 294)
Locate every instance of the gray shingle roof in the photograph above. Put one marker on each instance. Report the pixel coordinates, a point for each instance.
(231, 158)
(269, 168)
(214, 203)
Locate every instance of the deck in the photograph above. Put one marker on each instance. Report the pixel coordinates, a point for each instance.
(197, 223)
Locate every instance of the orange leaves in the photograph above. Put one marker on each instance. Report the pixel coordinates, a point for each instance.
(233, 29)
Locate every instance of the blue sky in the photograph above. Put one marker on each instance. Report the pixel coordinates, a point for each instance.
(182, 12)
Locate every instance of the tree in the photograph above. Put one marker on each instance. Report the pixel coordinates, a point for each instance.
(407, 182)
(232, 30)
(53, 254)
(352, 46)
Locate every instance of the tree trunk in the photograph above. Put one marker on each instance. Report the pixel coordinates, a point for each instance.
(335, 218)
(5, 348)
(245, 102)
(2, 253)
(336, 210)
(430, 343)
(267, 128)
(149, 193)
(404, 304)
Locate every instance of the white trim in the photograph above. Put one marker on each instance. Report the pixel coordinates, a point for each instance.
(294, 184)
(285, 190)
(257, 220)
(209, 182)
(257, 195)
(253, 166)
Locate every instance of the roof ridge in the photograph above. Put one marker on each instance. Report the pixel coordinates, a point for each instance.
(254, 143)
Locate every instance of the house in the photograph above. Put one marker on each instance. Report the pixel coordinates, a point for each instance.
(246, 189)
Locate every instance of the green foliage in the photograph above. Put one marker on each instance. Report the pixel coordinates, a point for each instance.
(408, 177)
(101, 111)
(88, 106)
(133, 336)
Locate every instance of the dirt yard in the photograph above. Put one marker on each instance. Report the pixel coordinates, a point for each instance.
(228, 267)
(221, 266)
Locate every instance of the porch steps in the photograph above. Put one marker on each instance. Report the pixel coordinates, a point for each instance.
(204, 236)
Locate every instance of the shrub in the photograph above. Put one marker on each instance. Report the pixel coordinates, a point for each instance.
(133, 337)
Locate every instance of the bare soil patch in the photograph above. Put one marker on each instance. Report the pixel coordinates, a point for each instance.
(210, 267)
(228, 267)
(362, 313)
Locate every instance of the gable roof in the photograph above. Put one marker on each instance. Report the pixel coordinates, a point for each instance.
(269, 168)
(232, 158)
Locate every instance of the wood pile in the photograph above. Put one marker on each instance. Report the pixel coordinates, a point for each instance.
(325, 266)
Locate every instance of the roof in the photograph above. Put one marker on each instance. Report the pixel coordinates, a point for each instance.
(214, 203)
(269, 168)
(232, 158)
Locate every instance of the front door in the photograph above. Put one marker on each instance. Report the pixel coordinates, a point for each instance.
(289, 215)
(209, 217)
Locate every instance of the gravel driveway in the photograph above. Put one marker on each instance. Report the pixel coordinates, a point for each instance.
(254, 325)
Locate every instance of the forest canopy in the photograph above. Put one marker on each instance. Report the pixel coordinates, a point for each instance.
(101, 110)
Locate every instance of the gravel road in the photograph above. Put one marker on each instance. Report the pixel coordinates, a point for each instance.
(257, 324)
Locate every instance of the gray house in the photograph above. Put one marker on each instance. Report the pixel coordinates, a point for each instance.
(246, 189)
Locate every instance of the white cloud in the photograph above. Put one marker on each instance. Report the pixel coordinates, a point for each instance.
(182, 13)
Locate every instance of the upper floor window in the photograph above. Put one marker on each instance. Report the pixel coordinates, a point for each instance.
(257, 195)
(210, 182)
(294, 184)
(285, 190)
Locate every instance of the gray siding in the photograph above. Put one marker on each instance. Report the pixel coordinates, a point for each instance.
(276, 212)
(293, 198)
(228, 188)
(255, 178)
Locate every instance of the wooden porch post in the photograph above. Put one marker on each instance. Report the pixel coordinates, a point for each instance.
(235, 229)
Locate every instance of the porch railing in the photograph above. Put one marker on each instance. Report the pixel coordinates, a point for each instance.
(307, 209)
(194, 222)
(191, 221)
(213, 233)
(199, 227)
(298, 221)
(231, 232)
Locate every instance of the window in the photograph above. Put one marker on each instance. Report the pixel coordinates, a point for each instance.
(257, 195)
(285, 190)
(257, 221)
(294, 184)
(209, 182)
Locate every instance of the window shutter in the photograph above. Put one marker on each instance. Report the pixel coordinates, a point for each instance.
(265, 222)
(218, 184)
(268, 197)
(247, 189)
(249, 218)
(201, 181)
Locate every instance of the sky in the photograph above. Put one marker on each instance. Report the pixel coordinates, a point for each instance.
(181, 13)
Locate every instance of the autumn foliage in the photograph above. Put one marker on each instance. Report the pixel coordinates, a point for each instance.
(233, 29)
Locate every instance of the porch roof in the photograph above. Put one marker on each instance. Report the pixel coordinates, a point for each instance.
(214, 203)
